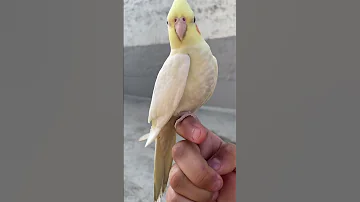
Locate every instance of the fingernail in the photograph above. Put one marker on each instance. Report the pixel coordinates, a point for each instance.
(218, 184)
(214, 164)
(215, 196)
(195, 133)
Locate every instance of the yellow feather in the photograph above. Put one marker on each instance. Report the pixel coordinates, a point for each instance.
(181, 8)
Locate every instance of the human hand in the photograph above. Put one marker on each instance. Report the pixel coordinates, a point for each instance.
(205, 166)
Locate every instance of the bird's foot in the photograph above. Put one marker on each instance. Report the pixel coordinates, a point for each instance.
(183, 115)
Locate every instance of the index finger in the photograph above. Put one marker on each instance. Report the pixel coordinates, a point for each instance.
(191, 129)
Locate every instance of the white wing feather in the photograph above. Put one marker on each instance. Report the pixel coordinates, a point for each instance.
(169, 88)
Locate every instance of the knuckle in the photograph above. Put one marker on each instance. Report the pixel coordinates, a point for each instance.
(202, 178)
(230, 149)
(178, 149)
(228, 155)
(176, 178)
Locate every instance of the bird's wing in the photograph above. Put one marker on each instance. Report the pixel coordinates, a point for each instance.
(169, 88)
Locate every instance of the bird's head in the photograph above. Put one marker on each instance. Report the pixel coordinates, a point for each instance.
(182, 27)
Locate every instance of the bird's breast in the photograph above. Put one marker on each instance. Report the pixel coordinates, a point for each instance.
(201, 80)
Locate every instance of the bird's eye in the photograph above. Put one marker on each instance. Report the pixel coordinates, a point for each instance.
(175, 19)
(183, 19)
(194, 19)
(167, 22)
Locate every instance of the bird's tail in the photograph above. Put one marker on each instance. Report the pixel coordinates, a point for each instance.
(163, 157)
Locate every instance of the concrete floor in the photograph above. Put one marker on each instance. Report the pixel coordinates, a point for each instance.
(138, 160)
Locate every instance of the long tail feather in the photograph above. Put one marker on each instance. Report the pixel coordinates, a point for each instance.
(163, 157)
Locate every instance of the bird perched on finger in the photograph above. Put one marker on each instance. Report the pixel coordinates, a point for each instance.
(185, 82)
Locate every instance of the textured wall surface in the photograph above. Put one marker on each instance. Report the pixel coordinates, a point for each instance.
(145, 20)
(147, 45)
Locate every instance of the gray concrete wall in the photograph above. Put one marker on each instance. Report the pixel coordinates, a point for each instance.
(146, 44)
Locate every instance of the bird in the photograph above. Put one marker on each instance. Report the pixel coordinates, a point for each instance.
(185, 82)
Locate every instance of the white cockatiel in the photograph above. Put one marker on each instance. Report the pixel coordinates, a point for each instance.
(185, 82)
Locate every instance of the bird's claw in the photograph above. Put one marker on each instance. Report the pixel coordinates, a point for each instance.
(183, 115)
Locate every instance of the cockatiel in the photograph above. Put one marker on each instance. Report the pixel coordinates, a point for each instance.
(185, 82)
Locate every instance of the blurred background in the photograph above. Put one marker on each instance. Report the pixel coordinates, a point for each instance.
(146, 48)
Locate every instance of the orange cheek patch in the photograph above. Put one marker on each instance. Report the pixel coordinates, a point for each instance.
(197, 29)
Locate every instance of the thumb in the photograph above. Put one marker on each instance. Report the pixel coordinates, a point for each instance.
(224, 160)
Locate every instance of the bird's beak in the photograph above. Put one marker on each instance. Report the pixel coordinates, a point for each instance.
(180, 28)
